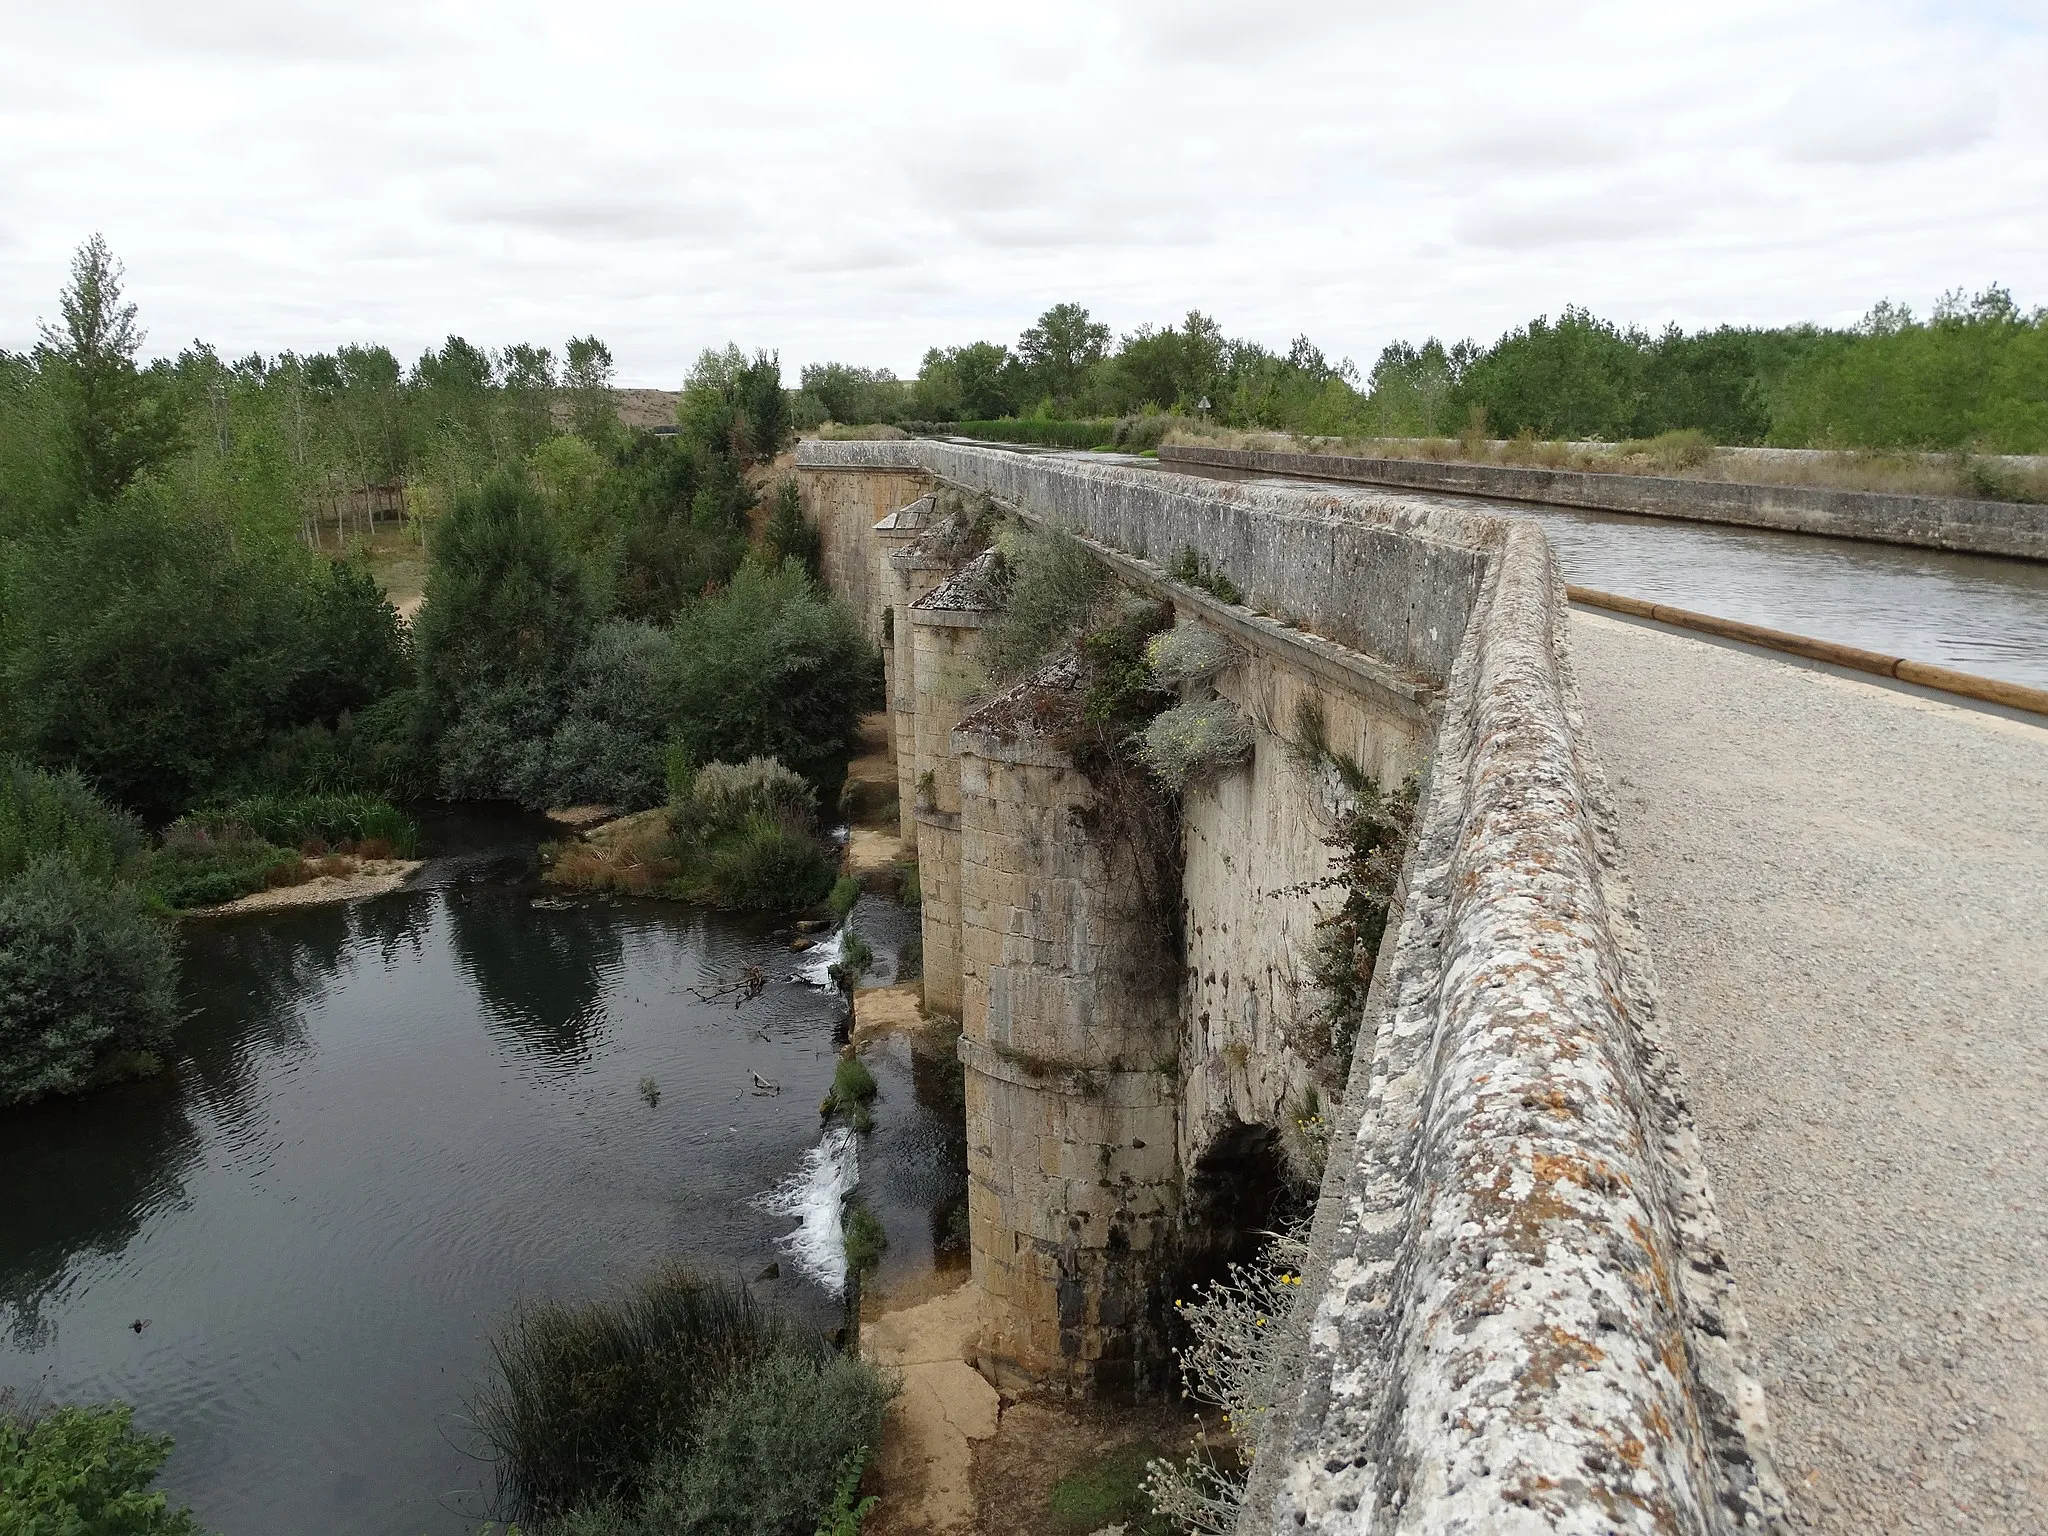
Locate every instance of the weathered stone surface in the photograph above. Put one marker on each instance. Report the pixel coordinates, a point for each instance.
(1930, 522)
(1523, 1321)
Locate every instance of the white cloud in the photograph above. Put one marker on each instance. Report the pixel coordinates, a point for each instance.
(863, 182)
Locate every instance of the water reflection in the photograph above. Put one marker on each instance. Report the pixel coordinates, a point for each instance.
(387, 1123)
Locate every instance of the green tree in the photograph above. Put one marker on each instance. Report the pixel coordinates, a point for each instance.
(1059, 351)
(587, 375)
(1580, 377)
(112, 420)
(771, 667)
(506, 612)
(978, 382)
(856, 395)
(84, 1472)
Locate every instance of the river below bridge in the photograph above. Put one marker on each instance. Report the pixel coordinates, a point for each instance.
(1974, 613)
(386, 1124)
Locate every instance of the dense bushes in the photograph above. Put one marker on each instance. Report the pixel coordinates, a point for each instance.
(744, 839)
(614, 729)
(771, 667)
(84, 1472)
(680, 1407)
(86, 982)
(86, 974)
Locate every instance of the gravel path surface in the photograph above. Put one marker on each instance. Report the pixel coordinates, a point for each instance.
(1845, 889)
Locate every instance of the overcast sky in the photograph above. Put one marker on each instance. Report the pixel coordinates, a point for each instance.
(859, 182)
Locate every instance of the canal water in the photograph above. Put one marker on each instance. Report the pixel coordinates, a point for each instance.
(389, 1122)
(1975, 613)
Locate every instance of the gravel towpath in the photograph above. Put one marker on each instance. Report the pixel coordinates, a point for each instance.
(1845, 889)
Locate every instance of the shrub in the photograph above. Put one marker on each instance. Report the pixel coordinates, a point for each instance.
(87, 982)
(771, 667)
(202, 864)
(769, 1458)
(84, 1472)
(853, 1082)
(1053, 582)
(43, 813)
(1041, 432)
(767, 866)
(1189, 653)
(586, 1398)
(725, 795)
(1190, 741)
(610, 746)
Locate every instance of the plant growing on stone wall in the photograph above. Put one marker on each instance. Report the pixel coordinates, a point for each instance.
(1369, 836)
(1243, 1329)
(1053, 584)
(1190, 653)
(1190, 742)
(964, 525)
(1134, 817)
(1305, 1137)
(1193, 569)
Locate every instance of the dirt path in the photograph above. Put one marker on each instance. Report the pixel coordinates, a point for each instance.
(1845, 889)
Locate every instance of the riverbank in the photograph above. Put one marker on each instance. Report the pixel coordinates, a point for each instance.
(329, 883)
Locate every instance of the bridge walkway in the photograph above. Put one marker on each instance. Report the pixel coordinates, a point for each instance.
(1845, 889)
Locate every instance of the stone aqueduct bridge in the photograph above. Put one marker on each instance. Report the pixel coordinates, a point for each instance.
(1522, 1317)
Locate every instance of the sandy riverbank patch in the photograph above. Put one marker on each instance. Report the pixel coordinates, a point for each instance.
(372, 877)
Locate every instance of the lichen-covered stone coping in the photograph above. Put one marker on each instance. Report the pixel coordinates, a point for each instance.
(1523, 1322)
(971, 589)
(909, 519)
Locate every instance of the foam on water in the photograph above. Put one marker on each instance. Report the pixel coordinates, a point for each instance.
(816, 1195)
(817, 962)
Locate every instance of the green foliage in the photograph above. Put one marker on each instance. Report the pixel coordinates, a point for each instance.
(789, 535)
(771, 667)
(1053, 583)
(1043, 432)
(1580, 377)
(505, 616)
(853, 395)
(316, 821)
(1193, 569)
(150, 648)
(979, 382)
(852, 1082)
(610, 746)
(766, 866)
(586, 1398)
(849, 1510)
(743, 836)
(47, 813)
(1370, 840)
(201, 864)
(114, 422)
(1107, 1490)
(769, 1457)
(845, 892)
(84, 1472)
(87, 982)
(865, 1238)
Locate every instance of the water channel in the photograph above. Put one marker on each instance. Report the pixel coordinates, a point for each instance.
(389, 1122)
(1975, 613)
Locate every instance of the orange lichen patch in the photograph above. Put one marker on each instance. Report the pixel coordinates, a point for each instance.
(1554, 1350)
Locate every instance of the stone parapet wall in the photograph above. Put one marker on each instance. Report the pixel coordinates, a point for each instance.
(1522, 1321)
(1929, 522)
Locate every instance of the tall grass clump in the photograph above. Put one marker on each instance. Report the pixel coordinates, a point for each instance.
(316, 823)
(1043, 433)
(586, 1397)
(744, 837)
